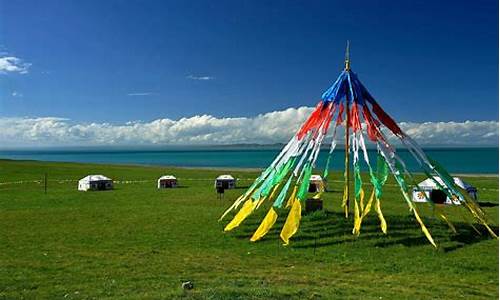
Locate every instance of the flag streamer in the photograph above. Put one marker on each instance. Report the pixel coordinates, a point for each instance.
(265, 226)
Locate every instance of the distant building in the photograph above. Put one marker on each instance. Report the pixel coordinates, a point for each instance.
(95, 183)
(225, 182)
(167, 181)
(428, 189)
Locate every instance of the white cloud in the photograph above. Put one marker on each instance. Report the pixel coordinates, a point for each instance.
(12, 64)
(141, 94)
(453, 133)
(194, 77)
(272, 127)
(16, 94)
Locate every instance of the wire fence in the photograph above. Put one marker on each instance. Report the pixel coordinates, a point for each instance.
(62, 181)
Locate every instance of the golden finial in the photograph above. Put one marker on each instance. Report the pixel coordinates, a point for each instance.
(347, 58)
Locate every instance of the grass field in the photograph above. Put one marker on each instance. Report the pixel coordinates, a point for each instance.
(140, 242)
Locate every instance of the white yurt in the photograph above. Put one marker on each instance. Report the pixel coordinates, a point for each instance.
(316, 184)
(225, 182)
(433, 193)
(95, 183)
(167, 181)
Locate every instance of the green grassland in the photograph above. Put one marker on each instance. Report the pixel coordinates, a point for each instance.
(139, 242)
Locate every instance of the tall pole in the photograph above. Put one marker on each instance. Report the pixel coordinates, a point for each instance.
(347, 124)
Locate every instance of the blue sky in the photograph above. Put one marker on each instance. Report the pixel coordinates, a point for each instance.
(120, 61)
(260, 56)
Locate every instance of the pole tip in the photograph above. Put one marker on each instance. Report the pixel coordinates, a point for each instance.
(347, 58)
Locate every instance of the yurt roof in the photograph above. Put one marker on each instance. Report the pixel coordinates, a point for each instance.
(171, 177)
(315, 178)
(431, 184)
(95, 178)
(225, 177)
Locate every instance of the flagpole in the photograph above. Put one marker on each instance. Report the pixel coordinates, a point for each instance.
(347, 124)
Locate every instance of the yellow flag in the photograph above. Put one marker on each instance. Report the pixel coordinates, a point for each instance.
(424, 229)
(292, 197)
(357, 219)
(492, 233)
(260, 201)
(238, 202)
(477, 212)
(274, 192)
(368, 206)
(344, 201)
(233, 206)
(266, 224)
(441, 214)
(464, 217)
(292, 222)
(383, 224)
(362, 199)
(364, 211)
(318, 195)
(244, 212)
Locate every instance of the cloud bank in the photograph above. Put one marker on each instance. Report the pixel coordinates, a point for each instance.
(268, 128)
(12, 64)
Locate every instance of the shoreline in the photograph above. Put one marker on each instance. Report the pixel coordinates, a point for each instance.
(220, 168)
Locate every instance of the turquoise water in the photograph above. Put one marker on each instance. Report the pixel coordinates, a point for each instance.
(456, 160)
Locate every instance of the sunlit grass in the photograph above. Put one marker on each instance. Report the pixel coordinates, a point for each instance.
(140, 242)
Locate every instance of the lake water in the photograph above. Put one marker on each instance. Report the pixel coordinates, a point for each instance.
(456, 160)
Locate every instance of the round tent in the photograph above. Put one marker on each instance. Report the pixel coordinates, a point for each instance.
(316, 184)
(95, 183)
(167, 181)
(225, 182)
(434, 189)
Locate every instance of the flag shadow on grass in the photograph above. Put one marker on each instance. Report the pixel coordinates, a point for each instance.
(324, 228)
(242, 187)
(487, 204)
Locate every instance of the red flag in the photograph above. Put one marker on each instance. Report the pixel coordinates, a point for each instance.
(332, 111)
(355, 123)
(309, 123)
(370, 124)
(386, 119)
(341, 113)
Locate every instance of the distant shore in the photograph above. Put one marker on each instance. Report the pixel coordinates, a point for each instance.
(489, 175)
(234, 169)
